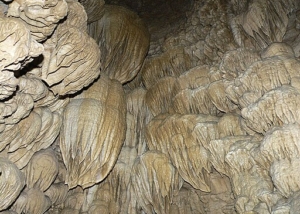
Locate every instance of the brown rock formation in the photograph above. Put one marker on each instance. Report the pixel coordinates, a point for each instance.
(136, 107)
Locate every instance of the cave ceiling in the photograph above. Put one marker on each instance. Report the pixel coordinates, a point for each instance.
(149, 107)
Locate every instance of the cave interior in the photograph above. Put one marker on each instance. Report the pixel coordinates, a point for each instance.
(149, 107)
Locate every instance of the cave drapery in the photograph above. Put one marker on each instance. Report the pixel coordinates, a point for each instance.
(167, 107)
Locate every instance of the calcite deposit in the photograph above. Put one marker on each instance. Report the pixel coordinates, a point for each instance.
(157, 107)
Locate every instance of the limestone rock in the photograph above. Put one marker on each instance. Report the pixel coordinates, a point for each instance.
(17, 45)
(57, 193)
(41, 170)
(77, 16)
(32, 201)
(201, 116)
(279, 111)
(93, 8)
(137, 117)
(68, 54)
(159, 96)
(256, 17)
(12, 181)
(8, 84)
(172, 63)
(173, 135)
(41, 17)
(123, 40)
(87, 122)
(284, 174)
(35, 132)
(154, 174)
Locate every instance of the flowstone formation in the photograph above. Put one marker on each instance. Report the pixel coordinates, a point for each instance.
(149, 107)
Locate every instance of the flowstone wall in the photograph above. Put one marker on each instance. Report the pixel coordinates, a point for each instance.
(112, 107)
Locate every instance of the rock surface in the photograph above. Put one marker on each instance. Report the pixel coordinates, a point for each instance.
(137, 107)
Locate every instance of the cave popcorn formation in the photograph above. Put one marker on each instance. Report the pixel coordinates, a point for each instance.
(187, 107)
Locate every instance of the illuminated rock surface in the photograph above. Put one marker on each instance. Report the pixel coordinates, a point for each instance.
(167, 107)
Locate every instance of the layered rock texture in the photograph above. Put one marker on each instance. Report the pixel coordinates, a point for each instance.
(167, 107)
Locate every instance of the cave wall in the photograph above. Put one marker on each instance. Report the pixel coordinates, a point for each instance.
(149, 106)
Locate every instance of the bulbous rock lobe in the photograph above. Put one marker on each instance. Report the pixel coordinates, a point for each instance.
(123, 40)
(159, 180)
(71, 61)
(93, 132)
(12, 182)
(41, 17)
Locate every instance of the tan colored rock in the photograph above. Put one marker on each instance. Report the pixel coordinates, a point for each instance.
(23, 133)
(217, 94)
(41, 170)
(260, 78)
(115, 193)
(187, 201)
(193, 78)
(41, 18)
(225, 75)
(188, 101)
(17, 46)
(120, 180)
(218, 150)
(99, 198)
(192, 89)
(57, 193)
(215, 74)
(35, 132)
(51, 123)
(3, 9)
(22, 105)
(279, 110)
(159, 96)
(74, 201)
(173, 135)
(8, 84)
(237, 61)
(278, 49)
(123, 40)
(285, 177)
(12, 181)
(218, 41)
(31, 201)
(154, 174)
(68, 54)
(220, 199)
(256, 17)
(8, 212)
(252, 185)
(294, 202)
(94, 9)
(138, 115)
(230, 124)
(54, 102)
(281, 143)
(98, 120)
(77, 16)
(278, 67)
(33, 86)
(69, 211)
(205, 131)
(172, 63)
